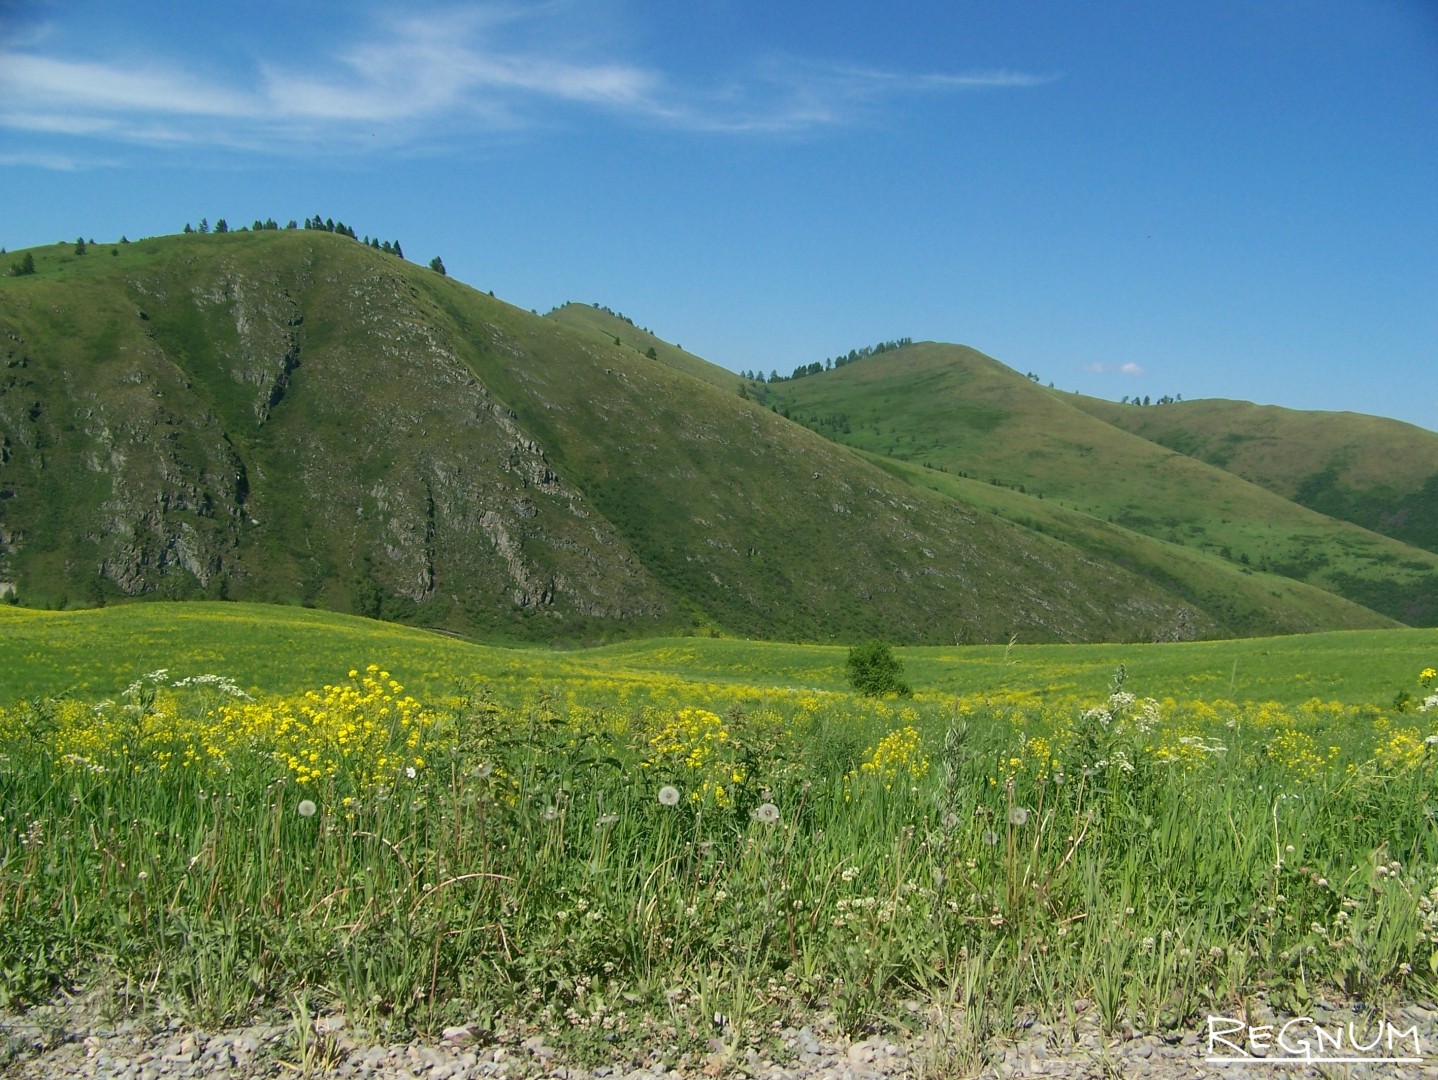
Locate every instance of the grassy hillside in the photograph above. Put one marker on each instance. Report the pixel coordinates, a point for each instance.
(1242, 598)
(1378, 473)
(958, 411)
(603, 324)
(294, 417)
(276, 416)
(282, 650)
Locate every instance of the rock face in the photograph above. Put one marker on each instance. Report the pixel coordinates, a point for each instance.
(285, 430)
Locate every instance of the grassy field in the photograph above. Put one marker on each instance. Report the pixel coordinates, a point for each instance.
(240, 810)
(284, 649)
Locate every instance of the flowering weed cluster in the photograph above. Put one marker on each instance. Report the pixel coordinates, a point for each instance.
(694, 745)
(899, 758)
(360, 733)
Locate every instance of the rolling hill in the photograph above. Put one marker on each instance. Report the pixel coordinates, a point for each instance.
(953, 409)
(294, 417)
(1375, 472)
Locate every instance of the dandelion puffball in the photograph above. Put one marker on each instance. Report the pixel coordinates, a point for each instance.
(669, 795)
(1018, 815)
(307, 808)
(767, 813)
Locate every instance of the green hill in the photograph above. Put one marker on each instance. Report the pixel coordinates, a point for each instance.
(294, 417)
(606, 325)
(1378, 473)
(958, 411)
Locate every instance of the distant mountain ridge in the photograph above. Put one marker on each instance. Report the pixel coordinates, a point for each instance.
(296, 417)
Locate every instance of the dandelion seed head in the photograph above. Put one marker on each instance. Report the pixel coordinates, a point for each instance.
(951, 821)
(306, 808)
(767, 814)
(1018, 815)
(669, 795)
(990, 837)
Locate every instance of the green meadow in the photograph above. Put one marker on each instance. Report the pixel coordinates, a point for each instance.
(282, 649)
(222, 811)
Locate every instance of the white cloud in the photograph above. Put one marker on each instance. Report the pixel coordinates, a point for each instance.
(112, 88)
(1129, 368)
(53, 162)
(478, 67)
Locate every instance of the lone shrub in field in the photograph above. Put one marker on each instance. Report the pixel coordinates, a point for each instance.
(874, 671)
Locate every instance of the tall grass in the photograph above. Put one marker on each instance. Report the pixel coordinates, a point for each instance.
(517, 867)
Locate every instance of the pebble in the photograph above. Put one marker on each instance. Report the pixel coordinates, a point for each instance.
(72, 1039)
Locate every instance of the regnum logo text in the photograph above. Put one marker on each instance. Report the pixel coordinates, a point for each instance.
(1233, 1041)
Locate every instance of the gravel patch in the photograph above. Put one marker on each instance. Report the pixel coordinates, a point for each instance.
(73, 1039)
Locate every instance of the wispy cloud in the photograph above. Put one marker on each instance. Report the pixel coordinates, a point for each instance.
(53, 162)
(1129, 368)
(477, 68)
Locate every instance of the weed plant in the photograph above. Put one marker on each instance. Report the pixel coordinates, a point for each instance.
(631, 872)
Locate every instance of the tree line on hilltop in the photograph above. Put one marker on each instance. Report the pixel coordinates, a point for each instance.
(26, 265)
(389, 247)
(829, 364)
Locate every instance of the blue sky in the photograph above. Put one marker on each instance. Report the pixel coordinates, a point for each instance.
(1214, 199)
